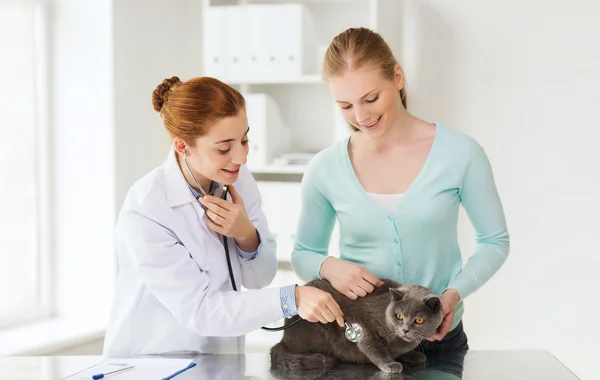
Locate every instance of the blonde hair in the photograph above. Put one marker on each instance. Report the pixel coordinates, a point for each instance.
(357, 47)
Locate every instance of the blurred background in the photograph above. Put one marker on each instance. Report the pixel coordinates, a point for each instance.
(78, 128)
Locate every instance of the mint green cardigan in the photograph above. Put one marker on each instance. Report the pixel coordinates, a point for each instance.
(417, 244)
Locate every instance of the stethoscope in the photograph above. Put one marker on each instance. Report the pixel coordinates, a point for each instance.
(226, 246)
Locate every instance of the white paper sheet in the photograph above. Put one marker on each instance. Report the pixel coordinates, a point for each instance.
(145, 368)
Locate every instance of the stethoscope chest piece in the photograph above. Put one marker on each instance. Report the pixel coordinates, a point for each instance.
(354, 332)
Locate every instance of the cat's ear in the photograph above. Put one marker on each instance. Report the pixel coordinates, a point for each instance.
(434, 304)
(397, 295)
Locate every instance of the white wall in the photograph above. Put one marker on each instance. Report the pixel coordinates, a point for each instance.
(523, 78)
(107, 56)
(83, 192)
(153, 40)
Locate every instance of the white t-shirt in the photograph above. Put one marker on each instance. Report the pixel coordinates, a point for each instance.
(387, 201)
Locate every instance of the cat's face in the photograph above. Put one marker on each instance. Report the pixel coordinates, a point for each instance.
(414, 312)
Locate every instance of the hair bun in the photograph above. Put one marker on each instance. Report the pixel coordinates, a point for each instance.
(163, 91)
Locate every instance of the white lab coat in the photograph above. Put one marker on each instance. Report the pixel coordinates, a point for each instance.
(173, 293)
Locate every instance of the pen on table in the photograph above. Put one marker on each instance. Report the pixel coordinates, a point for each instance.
(101, 375)
(192, 364)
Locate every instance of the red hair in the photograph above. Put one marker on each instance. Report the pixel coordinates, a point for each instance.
(189, 108)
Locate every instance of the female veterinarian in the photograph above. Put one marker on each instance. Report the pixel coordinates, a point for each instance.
(176, 234)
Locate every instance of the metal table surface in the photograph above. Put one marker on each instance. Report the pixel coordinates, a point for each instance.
(471, 365)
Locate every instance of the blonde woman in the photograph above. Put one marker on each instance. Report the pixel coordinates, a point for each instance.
(395, 186)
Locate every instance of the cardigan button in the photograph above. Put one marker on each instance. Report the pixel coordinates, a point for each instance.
(396, 241)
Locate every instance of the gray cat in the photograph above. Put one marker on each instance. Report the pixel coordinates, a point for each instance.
(394, 319)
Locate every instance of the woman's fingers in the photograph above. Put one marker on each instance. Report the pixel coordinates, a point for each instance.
(359, 291)
(213, 206)
(329, 311)
(348, 293)
(209, 199)
(319, 317)
(215, 227)
(367, 287)
(218, 219)
(336, 311)
(327, 315)
(371, 278)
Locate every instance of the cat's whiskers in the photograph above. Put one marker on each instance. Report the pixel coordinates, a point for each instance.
(395, 334)
(390, 338)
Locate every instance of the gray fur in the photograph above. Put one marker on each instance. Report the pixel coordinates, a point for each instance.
(309, 345)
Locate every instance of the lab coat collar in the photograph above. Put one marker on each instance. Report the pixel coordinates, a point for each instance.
(178, 192)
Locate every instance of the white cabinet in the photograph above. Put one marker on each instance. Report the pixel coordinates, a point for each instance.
(261, 41)
(213, 41)
(270, 136)
(281, 205)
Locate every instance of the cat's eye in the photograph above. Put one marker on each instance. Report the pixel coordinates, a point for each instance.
(419, 321)
(399, 316)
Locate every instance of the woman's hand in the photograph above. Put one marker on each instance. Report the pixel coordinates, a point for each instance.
(450, 299)
(316, 305)
(349, 279)
(231, 219)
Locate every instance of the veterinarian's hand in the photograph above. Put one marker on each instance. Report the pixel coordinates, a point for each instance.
(231, 219)
(349, 279)
(449, 299)
(316, 305)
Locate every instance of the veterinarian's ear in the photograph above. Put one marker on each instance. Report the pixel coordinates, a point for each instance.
(434, 304)
(397, 295)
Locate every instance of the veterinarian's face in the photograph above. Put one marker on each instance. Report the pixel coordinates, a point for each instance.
(219, 154)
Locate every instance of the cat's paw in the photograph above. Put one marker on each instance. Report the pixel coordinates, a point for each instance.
(392, 367)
